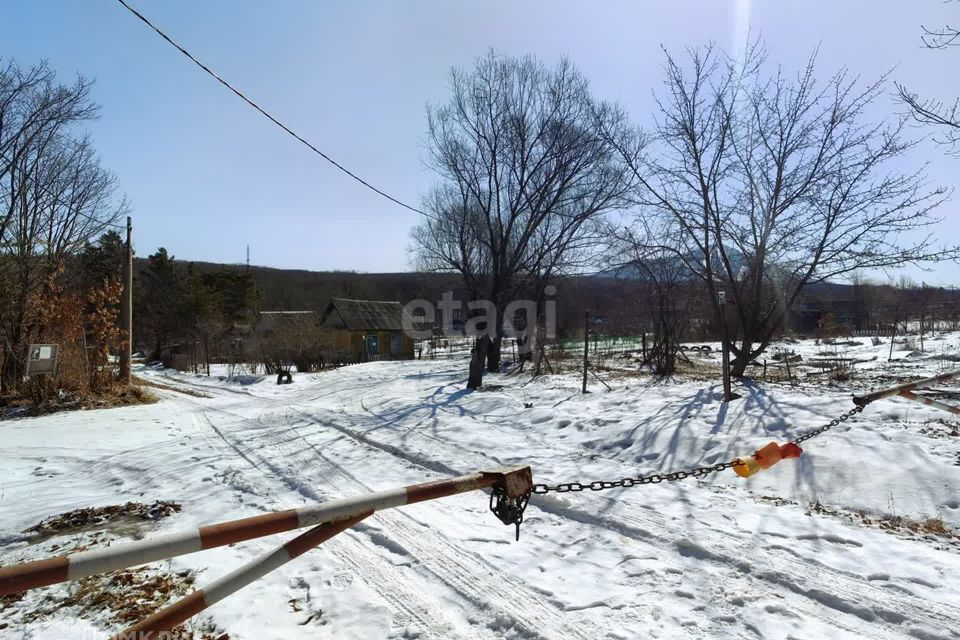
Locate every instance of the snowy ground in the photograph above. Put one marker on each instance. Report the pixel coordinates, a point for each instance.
(725, 557)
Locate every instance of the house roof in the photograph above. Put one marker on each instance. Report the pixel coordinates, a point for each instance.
(272, 320)
(367, 315)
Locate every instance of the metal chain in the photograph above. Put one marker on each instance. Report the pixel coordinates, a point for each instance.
(653, 478)
(815, 432)
(696, 472)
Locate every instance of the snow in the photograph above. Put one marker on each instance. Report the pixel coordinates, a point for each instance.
(722, 557)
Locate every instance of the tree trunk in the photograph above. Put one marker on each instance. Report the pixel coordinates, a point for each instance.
(206, 352)
(738, 366)
(14, 358)
(477, 357)
(495, 344)
(10, 372)
(493, 354)
(525, 347)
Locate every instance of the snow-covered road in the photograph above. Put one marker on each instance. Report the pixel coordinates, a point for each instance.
(721, 558)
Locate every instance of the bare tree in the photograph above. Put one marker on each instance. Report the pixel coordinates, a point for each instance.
(54, 195)
(34, 111)
(767, 183)
(297, 340)
(640, 252)
(524, 171)
(931, 111)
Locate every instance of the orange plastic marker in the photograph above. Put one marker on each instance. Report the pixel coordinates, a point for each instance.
(765, 458)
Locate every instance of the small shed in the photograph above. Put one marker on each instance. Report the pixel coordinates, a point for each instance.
(369, 329)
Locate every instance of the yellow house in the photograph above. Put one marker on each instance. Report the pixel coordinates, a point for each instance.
(368, 330)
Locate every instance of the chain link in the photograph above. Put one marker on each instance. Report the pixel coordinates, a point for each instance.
(696, 472)
(654, 478)
(843, 418)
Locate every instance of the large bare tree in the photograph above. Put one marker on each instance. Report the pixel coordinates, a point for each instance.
(761, 182)
(54, 194)
(525, 171)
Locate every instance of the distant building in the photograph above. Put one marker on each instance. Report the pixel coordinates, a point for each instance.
(269, 322)
(368, 329)
(807, 315)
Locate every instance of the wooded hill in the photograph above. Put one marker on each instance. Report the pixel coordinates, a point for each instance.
(622, 304)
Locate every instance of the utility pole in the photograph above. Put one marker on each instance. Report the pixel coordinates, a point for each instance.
(586, 346)
(126, 307)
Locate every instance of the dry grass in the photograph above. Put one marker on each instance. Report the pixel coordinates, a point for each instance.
(775, 500)
(927, 528)
(115, 396)
(129, 596)
(120, 396)
(896, 525)
(118, 600)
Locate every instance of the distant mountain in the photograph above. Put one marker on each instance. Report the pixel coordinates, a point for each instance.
(673, 266)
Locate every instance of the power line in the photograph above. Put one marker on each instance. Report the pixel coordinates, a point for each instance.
(263, 112)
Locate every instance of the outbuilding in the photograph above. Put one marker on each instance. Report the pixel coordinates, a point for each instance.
(368, 329)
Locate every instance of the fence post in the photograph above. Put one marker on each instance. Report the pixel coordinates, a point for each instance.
(586, 346)
(126, 307)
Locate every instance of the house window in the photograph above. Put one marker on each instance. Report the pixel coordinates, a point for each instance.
(373, 345)
(396, 344)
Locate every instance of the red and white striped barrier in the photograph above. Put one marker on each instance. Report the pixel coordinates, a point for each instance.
(182, 610)
(514, 481)
(930, 402)
(906, 390)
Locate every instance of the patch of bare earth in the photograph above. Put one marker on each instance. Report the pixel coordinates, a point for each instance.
(166, 387)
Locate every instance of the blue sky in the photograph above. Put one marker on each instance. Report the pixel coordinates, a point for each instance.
(207, 175)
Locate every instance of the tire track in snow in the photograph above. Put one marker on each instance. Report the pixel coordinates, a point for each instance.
(868, 608)
(869, 616)
(504, 601)
(775, 563)
(391, 583)
(405, 598)
(878, 605)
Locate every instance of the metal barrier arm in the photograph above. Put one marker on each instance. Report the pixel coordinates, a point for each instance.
(184, 609)
(905, 389)
(930, 402)
(513, 483)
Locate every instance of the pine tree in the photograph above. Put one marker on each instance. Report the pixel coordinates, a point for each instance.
(160, 300)
(103, 259)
